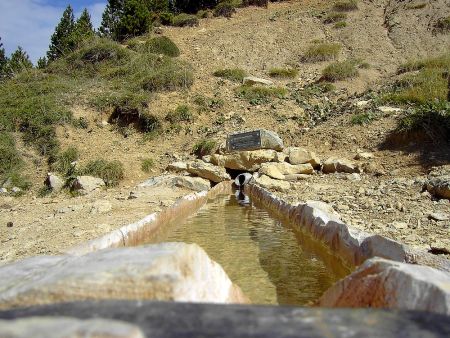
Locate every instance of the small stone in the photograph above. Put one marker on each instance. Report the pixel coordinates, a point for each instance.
(364, 156)
(399, 225)
(389, 110)
(437, 216)
(3, 191)
(251, 80)
(16, 190)
(10, 224)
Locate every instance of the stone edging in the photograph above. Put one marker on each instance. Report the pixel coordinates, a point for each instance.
(135, 233)
(351, 245)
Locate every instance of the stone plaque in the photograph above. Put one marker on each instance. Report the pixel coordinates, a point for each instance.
(244, 141)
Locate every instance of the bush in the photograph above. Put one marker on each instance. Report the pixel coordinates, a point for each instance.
(346, 5)
(440, 62)
(205, 103)
(147, 165)
(340, 71)
(64, 160)
(232, 74)
(335, 17)
(166, 18)
(203, 14)
(180, 114)
(260, 94)
(225, 9)
(340, 24)
(10, 159)
(110, 171)
(432, 118)
(204, 147)
(443, 24)
(363, 118)
(283, 72)
(322, 52)
(160, 45)
(183, 20)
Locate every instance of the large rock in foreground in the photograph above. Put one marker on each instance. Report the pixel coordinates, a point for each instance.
(193, 183)
(245, 160)
(59, 327)
(298, 155)
(209, 171)
(254, 140)
(166, 272)
(438, 182)
(382, 283)
(286, 169)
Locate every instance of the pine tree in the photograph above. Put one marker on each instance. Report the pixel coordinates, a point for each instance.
(134, 20)
(83, 28)
(62, 39)
(19, 61)
(158, 6)
(110, 18)
(42, 62)
(3, 62)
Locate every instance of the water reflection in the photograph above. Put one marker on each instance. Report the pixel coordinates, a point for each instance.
(260, 254)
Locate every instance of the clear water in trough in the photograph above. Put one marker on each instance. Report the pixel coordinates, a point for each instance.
(272, 263)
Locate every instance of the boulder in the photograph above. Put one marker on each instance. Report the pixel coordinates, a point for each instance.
(177, 166)
(244, 160)
(87, 184)
(298, 155)
(389, 110)
(54, 182)
(192, 183)
(381, 283)
(271, 171)
(286, 168)
(281, 157)
(251, 80)
(164, 272)
(207, 170)
(333, 165)
(271, 184)
(438, 182)
(59, 327)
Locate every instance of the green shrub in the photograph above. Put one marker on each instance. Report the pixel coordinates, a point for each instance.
(204, 147)
(432, 118)
(283, 72)
(232, 74)
(183, 20)
(440, 62)
(340, 71)
(80, 123)
(335, 17)
(203, 14)
(161, 45)
(147, 165)
(10, 159)
(64, 160)
(340, 24)
(363, 118)
(322, 52)
(166, 18)
(225, 9)
(443, 24)
(110, 171)
(206, 103)
(260, 94)
(180, 114)
(346, 5)
(426, 86)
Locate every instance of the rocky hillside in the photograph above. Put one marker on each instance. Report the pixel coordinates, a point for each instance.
(292, 44)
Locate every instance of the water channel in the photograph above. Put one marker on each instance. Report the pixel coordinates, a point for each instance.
(272, 263)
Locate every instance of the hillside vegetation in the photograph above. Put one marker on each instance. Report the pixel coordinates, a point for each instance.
(182, 90)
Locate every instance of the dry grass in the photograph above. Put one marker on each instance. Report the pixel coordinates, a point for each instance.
(322, 52)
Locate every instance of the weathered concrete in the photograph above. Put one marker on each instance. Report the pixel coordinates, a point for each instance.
(175, 320)
(384, 283)
(64, 327)
(167, 271)
(351, 245)
(144, 229)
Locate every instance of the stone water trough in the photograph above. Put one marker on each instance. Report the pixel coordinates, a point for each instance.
(108, 286)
